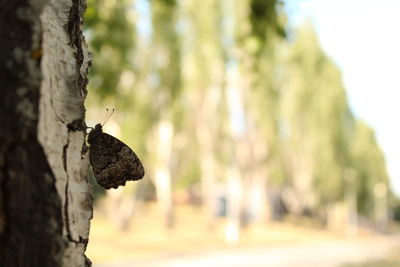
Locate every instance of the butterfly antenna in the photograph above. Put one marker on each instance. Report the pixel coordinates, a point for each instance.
(108, 116)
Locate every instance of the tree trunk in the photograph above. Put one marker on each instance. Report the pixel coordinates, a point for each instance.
(206, 132)
(234, 173)
(259, 171)
(235, 193)
(162, 173)
(45, 202)
(350, 195)
(381, 206)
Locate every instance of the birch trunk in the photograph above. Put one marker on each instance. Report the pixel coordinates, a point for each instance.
(234, 172)
(162, 174)
(45, 202)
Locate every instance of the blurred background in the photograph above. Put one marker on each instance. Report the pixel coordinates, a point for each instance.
(268, 131)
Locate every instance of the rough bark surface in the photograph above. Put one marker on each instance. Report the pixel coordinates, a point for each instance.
(61, 123)
(45, 204)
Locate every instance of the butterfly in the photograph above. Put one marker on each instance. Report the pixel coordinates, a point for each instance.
(113, 162)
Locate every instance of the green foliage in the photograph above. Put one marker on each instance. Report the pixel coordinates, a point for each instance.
(264, 17)
(324, 140)
(166, 51)
(369, 164)
(395, 204)
(317, 116)
(111, 37)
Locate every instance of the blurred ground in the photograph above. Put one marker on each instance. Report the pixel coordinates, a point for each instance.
(147, 243)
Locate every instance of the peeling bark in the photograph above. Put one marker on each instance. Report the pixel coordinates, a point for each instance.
(45, 201)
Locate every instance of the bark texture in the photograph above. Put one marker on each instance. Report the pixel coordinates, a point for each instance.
(45, 203)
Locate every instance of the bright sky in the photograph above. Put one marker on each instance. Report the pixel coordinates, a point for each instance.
(363, 38)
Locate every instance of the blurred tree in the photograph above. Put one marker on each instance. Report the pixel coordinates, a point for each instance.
(245, 40)
(317, 122)
(165, 77)
(328, 152)
(372, 182)
(203, 73)
(260, 44)
(111, 37)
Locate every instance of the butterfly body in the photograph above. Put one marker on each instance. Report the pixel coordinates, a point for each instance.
(113, 162)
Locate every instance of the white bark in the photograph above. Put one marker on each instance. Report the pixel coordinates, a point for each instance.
(61, 119)
(234, 176)
(164, 137)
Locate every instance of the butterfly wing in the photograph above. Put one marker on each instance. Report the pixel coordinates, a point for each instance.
(113, 162)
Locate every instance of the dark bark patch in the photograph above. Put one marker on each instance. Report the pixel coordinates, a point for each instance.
(30, 208)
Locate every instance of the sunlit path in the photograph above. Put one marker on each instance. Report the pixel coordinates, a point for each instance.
(321, 253)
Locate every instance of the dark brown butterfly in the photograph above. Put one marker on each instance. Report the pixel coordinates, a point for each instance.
(113, 162)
